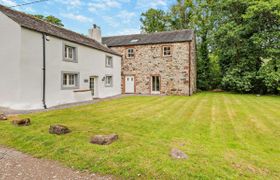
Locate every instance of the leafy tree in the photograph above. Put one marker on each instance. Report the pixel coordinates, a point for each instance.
(247, 33)
(202, 23)
(269, 75)
(154, 21)
(51, 19)
(181, 14)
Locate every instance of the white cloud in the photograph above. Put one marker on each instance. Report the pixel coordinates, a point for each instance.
(8, 2)
(151, 3)
(126, 17)
(125, 31)
(29, 10)
(111, 21)
(77, 17)
(103, 4)
(75, 3)
(69, 5)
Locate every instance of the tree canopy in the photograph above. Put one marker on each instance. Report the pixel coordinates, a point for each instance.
(154, 21)
(51, 19)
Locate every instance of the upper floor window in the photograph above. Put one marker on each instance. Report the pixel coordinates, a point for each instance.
(109, 81)
(130, 53)
(70, 80)
(70, 53)
(109, 61)
(166, 51)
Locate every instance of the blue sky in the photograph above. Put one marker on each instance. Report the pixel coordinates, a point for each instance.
(115, 17)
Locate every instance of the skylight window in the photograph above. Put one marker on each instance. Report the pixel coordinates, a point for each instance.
(134, 40)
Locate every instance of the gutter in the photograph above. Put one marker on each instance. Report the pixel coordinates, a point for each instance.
(190, 64)
(44, 71)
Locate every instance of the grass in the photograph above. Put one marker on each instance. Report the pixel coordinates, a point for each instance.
(226, 136)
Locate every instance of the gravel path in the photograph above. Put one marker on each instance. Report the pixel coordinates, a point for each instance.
(64, 106)
(15, 165)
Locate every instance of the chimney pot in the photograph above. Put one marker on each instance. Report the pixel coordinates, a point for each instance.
(95, 33)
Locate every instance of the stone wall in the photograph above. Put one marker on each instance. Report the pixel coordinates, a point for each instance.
(149, 61)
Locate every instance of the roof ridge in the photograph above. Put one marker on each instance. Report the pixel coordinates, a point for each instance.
(162, 32)
(60, 27)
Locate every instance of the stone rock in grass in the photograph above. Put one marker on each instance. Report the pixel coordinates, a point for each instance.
(59, 129)
(217, 90)
(3, 117)
(21, 122)
(178, 154)
(104, 139)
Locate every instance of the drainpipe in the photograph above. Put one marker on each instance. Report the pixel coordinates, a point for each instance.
(190, 63)
(44, 71)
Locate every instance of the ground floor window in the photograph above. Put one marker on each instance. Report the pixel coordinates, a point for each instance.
(70, 80)
(155, 84)
(109, 81)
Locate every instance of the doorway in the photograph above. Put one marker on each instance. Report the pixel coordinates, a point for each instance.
(92, 85)
(129, 84)
(155, 85)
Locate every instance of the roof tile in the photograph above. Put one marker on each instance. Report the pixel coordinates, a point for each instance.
(152, 38)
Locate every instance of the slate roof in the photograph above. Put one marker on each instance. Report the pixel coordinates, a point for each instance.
(30, 22)
(152, 38)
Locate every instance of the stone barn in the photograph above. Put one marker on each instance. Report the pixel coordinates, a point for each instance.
(157, 63)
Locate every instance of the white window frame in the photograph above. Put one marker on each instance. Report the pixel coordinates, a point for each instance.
(70, 80)
(107, 60)
(108, 84)
(130, 54)
(164, 50)
(70, 53)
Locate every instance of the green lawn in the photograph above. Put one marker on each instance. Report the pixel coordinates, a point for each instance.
(225, 136)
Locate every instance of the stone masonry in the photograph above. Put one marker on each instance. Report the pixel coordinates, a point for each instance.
(149, 61)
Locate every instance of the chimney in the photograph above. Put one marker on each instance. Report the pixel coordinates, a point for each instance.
(95, 33)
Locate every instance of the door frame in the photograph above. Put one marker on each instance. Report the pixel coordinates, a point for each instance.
(151, 84)
(124, 80)
(95, 85)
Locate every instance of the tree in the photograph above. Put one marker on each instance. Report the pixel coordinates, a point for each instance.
(181, 14)
(154, 21)
(51, 19)
(247, 34)
(201, 21)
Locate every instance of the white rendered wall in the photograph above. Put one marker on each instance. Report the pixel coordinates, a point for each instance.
(91, 62)
(10, 37)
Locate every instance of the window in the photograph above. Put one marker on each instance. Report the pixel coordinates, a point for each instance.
(70, 53)
(109, 81)
(130, 53)
(109, 61)
(134, 40)
(70, 80)
(166, 51)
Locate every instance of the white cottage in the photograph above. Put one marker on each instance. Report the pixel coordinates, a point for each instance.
(43, 65)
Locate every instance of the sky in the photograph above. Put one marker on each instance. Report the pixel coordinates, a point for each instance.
(115, 17)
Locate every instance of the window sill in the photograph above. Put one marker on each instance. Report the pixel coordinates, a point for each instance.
(70, 60)
(81, 90)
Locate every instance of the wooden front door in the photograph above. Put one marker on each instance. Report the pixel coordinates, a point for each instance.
(129, 84)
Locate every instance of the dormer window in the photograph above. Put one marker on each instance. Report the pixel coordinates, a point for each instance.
(166, 51)
(130, 53)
